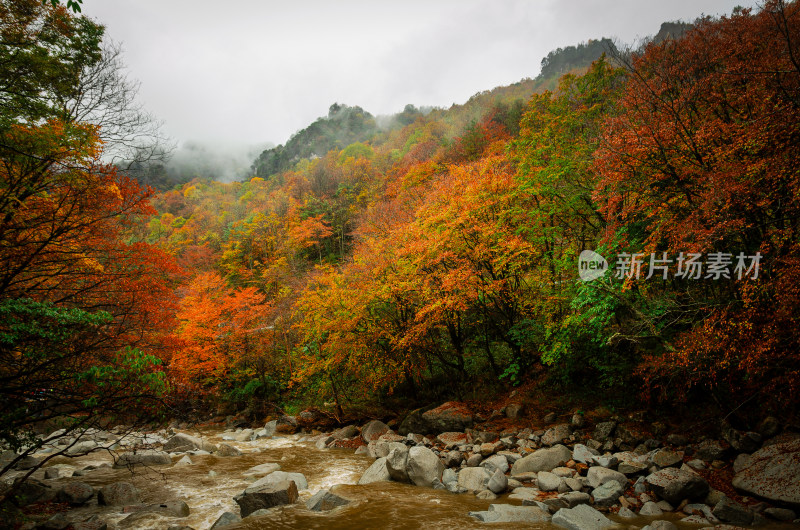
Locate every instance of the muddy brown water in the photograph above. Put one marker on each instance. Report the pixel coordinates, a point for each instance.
(385, 505)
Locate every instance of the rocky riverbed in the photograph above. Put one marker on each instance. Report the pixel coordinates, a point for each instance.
(446, 475)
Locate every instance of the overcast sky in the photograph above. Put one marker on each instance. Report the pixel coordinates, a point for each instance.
(240, 72)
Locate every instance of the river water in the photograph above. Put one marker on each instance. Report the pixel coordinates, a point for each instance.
(209, 484)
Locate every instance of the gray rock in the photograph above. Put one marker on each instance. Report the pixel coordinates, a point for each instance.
(600, 475)
(270, 429)
(731, 512)
(186, 442)
(710, 450)
(548, 481)
(262, 469)
(498, 482)
(117, 494)
(542, 460)
(57, 522)
(228, 450)
(473, 478)
(557, 434)
(650, 509)
(578, 420)
(781, 514)
(377, 472)
(453, 458)
(184, 461)
(373, 430)
(397, 463)
(95, 523)
(280, 476)
(769, 427)
(495, 462)
(143, 458)
(448, 417)
(574, 498)
(583, 454)
(474, 460)
(486, 495)
(742, 461)
(348, 431)
(667, 458)
(226, 519)
(324, 500)
(661, 525)
(773, 473)
(448, 476)
(674, 485)
(581, 517)
(608, 493)
(626, 513)
(76, 493)
(424, 467)
(604, 430)
(507, 513)
(266, 496)
(31, 491)
(82, 448)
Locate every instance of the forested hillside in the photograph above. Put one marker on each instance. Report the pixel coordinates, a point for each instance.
(377, 264)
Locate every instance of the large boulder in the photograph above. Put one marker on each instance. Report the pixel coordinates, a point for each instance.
(508, 513)
(31, 491)
(474, 478)
(581, 517)
(143, 458)
(374, 430)
(187, 442)
(270, 429)
(377, 472)
(772, 473)
(607, 494)
(414, 422)
(600, 475)
(262, 469)
(266, 495)
(397, 464)
(424, 467)
(542, 460)
(118, 494)
(673, 485)
(451, 416)
(324, 500)
(281, 476)
(348, 431)
(226, 519)
(76, 493)
(286, 425)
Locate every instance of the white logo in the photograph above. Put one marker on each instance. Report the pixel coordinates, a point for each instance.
(591, 265)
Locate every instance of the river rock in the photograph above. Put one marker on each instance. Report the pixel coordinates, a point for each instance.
(674, 485)
(226, 519)
(557, 434)
(324, 500)
(453, 458)
(186, 442)
(542, 460)
(604, 430)
(731, 512)
(397, 464)
(473, 478)
(606, 495)
(348, 431)
(92, 523)
(143, 511)
(548, 481)
(424, 467)
(266, 495)
(453, 439)
(507, 513)
(262, 469)
(118, 493)
(495, 462)
(448, 417)
(583, 454)
(710, 450)
(414, 422)
(143, 458)
(31, 491)
(76, 493)
(244, 435)
(781, 514)
(650, 509)
(373, 430)
(382, 448)
(281, 476)
(228, 450)
(772, 473)
(581, 517)
(270, 429)
(667, 458)
(600, 475)
(82, 448)
(377, 472)
(286, 425)
(498, 482)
